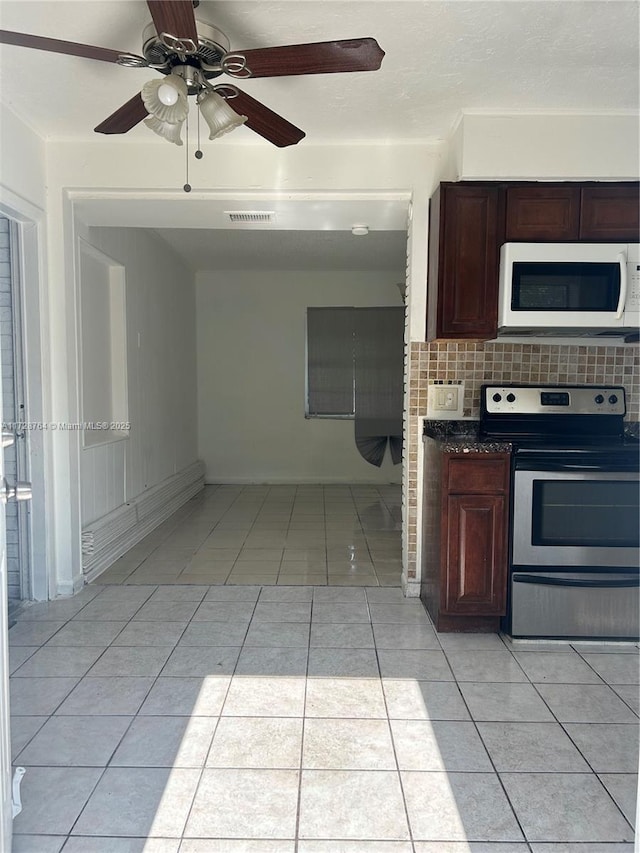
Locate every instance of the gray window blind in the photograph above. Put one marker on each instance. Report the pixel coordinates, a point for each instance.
(330, 362)
(355, 362)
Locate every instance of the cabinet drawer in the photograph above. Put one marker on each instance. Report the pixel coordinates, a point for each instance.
(477, 474)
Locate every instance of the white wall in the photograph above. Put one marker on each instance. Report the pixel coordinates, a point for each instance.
(161, 374)
(22, 155)
(549, 147)
(251, 377)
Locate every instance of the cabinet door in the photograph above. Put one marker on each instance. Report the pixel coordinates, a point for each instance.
(468, 262)
(475, 579)
(542, 213)
(610, 212)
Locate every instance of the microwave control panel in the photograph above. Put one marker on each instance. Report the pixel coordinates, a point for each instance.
(633, 293)
(571, 400)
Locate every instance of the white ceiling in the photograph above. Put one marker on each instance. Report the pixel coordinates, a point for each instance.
(441, 58)
(289, 250)
(311, 233)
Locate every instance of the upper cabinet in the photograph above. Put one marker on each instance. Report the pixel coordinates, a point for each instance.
(557, 212)
(470, 221)
(610, 212)
(542, 213)
(463, 259)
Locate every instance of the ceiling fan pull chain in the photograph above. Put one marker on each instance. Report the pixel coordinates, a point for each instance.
(187, 185)
(199, 154)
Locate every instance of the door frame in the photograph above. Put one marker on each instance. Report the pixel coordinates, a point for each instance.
(29, 222)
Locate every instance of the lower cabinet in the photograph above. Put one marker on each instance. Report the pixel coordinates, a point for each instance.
(465, 540)
(474, 558)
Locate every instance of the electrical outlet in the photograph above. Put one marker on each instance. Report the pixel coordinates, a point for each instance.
(445, 401)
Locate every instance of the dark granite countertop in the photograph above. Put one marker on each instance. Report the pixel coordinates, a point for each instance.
(462, 437)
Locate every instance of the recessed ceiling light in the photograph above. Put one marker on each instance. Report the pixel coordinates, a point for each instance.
(360, 230)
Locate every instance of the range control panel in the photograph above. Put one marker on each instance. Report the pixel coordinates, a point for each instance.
(566, 400)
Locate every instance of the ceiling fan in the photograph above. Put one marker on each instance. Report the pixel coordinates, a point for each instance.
(191, 53)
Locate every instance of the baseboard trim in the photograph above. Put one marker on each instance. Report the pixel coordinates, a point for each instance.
(109, 537)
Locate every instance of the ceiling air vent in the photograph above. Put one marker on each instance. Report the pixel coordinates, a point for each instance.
(251, 217)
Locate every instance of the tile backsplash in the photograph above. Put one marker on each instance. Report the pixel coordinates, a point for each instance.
(477, 363)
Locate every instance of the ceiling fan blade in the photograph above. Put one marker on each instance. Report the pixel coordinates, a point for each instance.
(124, 118)
(71, 48)
(324, 57)
(175, 18)
(265, 122)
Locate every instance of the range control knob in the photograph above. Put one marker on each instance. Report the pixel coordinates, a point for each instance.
(511, 398)
(613, 399)
(496, 398)
(599, 399)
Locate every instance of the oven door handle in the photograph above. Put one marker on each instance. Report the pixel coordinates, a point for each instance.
(632, 582)
(549, 465)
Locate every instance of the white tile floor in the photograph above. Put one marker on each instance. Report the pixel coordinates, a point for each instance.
(336, 535)
(274, 718)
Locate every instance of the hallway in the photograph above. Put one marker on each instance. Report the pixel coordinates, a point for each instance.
(249, 682)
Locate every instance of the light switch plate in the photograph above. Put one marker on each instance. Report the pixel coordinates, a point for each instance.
(445, 401)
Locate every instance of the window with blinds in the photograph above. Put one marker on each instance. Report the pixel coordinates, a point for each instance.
(354, 358)
(330, 363)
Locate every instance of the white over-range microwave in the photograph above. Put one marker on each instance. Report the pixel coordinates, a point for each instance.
(569, 288)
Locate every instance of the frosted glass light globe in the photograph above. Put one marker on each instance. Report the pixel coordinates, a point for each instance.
(168, 94)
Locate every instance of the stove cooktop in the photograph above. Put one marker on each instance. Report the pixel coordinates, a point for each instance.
(555, 416)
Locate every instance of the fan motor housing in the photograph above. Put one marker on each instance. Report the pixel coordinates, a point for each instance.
(212, 46)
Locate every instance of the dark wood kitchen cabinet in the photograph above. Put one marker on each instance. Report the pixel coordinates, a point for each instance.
(610, 212)
(573, 211)
(465, 565)
(542, 212)
(463, 260)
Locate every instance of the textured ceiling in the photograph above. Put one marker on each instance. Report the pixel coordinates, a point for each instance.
(289, 250)
(441, 57)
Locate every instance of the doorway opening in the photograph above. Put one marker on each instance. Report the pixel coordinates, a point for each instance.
(268, 297)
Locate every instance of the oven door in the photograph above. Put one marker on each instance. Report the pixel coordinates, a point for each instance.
(575, 515)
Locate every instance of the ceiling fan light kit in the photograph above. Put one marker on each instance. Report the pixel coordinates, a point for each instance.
(190, 53)
(217, 113)
(166, 99)
(166, 129)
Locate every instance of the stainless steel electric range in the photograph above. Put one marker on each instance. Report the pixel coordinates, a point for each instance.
(574, 543)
